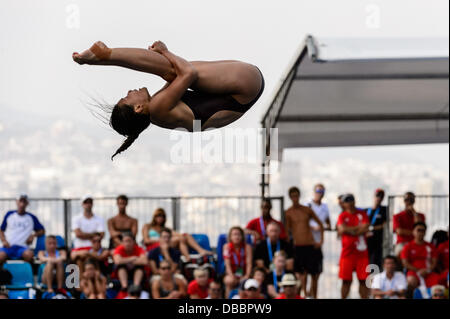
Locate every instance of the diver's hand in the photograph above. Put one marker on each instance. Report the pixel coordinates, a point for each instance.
(96, 53)
(158, 47)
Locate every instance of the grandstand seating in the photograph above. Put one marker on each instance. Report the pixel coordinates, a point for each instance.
(21, 294)
(40, 243)
(202, 240)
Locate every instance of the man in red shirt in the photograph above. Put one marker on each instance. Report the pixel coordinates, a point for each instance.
(420, 259)
(353, 224)
(290, 287)
(404, 222)
(198, 288)
(257, 227)
(443, 258)
(129, 260)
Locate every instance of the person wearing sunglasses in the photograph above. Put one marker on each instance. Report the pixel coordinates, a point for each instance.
(290, 288)
(215, 290)
(403, 222)
(419, 257)
(377, 217)
(167, 285)
(438, 292)
(322, 211)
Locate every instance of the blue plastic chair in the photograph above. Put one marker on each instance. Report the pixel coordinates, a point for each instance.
(20, 294)
(22, 275)
(202, 240)
(223, 239)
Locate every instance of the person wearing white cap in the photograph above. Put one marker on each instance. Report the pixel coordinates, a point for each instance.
(17, 232)
(85, 226)
(251, 288)
(290, 287)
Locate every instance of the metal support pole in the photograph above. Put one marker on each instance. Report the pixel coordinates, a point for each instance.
(176, 213)
(67, 222)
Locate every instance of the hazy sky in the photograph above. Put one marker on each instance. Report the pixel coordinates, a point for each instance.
(39, 79)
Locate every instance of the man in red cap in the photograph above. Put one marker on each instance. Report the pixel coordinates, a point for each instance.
(377, 217)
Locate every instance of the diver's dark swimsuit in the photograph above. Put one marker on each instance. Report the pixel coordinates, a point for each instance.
(205, 105)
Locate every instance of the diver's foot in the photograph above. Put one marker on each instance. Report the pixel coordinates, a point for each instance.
(95, 54)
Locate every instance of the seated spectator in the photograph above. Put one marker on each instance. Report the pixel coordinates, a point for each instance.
(4, 294)
(96, 252)
(266, 249)
(198, 288)
(85, 226)
(390, 284)
(435, 292)
(259, 274)
(420, 258)
(276, 275)
(257, 227)
(252, 290)
(403, 222)
(238, 256)
(290, 287)
(167, 285)
(93, 283)
(129, 262)
(151, 233)
(134, 292)
(121, 223)
(17, 232)
(164, 252)
(54, 260)
(215, 290)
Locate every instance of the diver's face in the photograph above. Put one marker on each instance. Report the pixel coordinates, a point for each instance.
(136, 98)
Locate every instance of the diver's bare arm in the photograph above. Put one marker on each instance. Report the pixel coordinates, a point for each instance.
(132, 58)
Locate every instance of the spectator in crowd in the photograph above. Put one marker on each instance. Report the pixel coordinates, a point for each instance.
(215, 290)
(443, 261)
(54, 260)
(198, 288)
(85, 226)
(152, 232)
(129, 260)
(258, 226)
(134, 292)
(93, 283)
(298, 224)
(266, 249)
(259, 274)
(403, 222)
(390, 284)
(290, 288)
(276, 275)
(238, 256)
(252, 290)
(353, 224)
(4, 294)
(438, 292)
(121, 223)
(17, 232)
(420, 259)
(377, 217)
(98, 253)
(164, 252)
(321, 210)
(167, 285)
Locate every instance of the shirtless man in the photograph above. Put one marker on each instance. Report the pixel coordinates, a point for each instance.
(298, 218)
(121, 223)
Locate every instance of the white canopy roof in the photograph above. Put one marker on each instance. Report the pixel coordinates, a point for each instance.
(348, 92)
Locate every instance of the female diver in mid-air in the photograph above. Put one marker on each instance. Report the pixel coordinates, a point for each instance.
(216, 93)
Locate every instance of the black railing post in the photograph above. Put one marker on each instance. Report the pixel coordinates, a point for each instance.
(176, 213)
(282, 212)
(67, 222)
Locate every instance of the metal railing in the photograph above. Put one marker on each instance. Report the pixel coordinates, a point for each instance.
(207, 215)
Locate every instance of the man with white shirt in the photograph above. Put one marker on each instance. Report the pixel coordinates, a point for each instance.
(389, 284)
(85, 226)
(17, 232)
(322, 211)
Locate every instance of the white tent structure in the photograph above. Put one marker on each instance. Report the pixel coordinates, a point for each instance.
(350, 92)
